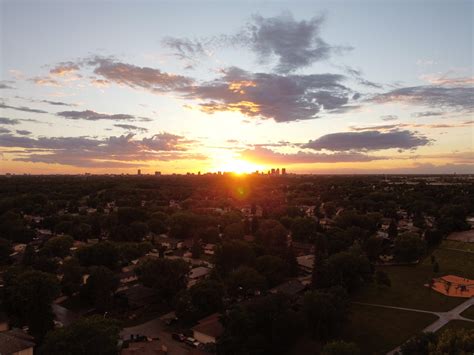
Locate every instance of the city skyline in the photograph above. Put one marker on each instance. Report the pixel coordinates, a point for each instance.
(322, 88)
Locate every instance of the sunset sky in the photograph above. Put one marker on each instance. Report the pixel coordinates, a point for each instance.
(316, 87)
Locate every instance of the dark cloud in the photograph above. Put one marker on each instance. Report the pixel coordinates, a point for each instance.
(442, 97)
(130, 127)
(282, 98)
(4, 130)
(90, 115)
(121, 151)
(3, 85)
(368, 140)
(21, 108)
(57, 103)
(427, 114)
(389, 118)
(137, 77)
(9, 121)
(23, 132)
(267, 156)
(295, 44)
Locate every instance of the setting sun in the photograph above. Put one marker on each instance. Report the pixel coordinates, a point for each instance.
(239, 167)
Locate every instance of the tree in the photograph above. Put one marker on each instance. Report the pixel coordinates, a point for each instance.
(272, 234)
(245, 281)
(409, 247)
(454, 341)
(168, 277)
(273, 268)
(304, 229)
(29, 295)
(100, 287)
(94, 335)
(234, 231)
(340, 347)
(58, 246)
(103, 253)
(326, 311)
(392, 229)
(419, 345)
(348, 269)
(232, 254)
(72, 276)
(5, 251)
(265, 325)
(200, 300)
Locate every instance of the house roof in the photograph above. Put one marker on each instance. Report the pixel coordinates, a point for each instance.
(14, 341)
(198, 272)
(210, 325)
(291, 287)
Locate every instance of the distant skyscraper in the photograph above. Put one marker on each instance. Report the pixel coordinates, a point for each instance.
(273, 171)
(157, 173)
(278, 171)
(139, 172)
(283, 171)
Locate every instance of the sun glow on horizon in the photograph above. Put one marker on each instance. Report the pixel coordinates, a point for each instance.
(239, 166)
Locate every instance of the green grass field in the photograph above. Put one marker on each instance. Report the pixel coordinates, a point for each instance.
(378, 330)
(408, 288)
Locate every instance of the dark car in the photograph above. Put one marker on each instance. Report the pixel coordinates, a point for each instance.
(179, 337)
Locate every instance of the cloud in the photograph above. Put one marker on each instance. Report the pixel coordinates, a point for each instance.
(64, 68)
(4, 130)
(389, 118)
(272, 96)
(130, 127)
(186, 49)
(137, 77)
(262, 155)
(391, 127)
(57, 103)
(441, 97)
(90, 115)
(3, 85)
(21, 108)
(121, 151)
(427, 114)
(23, 132)
(9, 121)
(368, 140)
(295, 44)
(45, 81)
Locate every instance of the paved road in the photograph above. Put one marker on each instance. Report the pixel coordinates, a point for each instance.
(443, 317)
(156, 329)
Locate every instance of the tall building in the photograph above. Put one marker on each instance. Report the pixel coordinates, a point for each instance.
(157, 173)
(139, 172)
(283, 171)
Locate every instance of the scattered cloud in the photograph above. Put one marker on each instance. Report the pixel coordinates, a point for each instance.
(23, 132)
(272, 96)
(458, 98)
(368, 140)
(9, 121)
(389, 118)
(45, 81)
(262, 155)
(115, 152)
(130, 127)
(90, 115)
(427, 114)
(4, 130)
(137, 77)
(64, 68)
(21, 108)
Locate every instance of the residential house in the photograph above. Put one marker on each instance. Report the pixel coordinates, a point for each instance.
(208, 329)
(16, 342)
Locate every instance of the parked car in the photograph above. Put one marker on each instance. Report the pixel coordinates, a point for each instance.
(192, 342)
(178, 336)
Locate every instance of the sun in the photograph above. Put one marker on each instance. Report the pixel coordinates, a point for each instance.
(239, 167)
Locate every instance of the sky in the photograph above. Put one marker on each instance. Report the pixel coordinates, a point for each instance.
(322, 87)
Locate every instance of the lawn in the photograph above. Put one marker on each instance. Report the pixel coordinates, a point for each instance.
(453, 244)
(378, 330)
(408, 288)
(469, 313)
